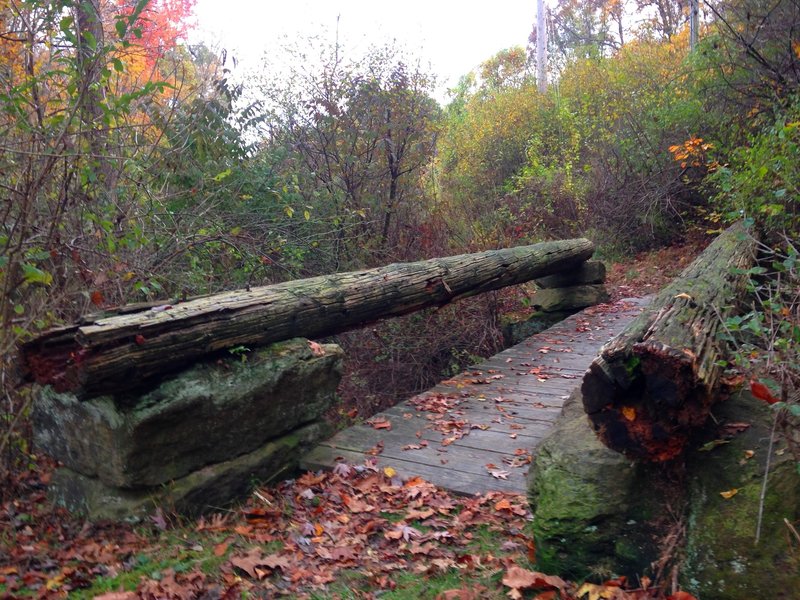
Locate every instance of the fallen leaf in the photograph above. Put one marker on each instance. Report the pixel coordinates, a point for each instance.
(248, 562)
(707, 447)
(405, 532)
(518, 578)
(629, 413)
(681, 596)
(380, 423)
(343, 469)
(412, 447)
(762, 392)
(316, 349)
(590, 591)
(730, 429)
(159, 520)
(499, 474)
(389, 472)
(376, 449)
(221, 548)
(729, 494)
(503, 504)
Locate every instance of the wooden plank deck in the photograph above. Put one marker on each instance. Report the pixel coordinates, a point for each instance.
(475, 433)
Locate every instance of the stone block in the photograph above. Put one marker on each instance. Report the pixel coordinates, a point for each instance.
(566, 299)
(207, 414)
(209, 489)
(723, 560)
(593, 509)
(590, 272)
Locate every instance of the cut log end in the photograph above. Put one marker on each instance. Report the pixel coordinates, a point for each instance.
(654, 417)
(653, 385)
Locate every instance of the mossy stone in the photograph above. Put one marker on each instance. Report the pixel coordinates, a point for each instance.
(592, 507)
(206, 490)
(723, 560)
(207, 414)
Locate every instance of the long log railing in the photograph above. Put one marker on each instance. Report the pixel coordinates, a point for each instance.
(122, 352)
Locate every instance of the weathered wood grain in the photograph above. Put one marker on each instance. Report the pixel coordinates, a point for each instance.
(504, 418)
(115, 353)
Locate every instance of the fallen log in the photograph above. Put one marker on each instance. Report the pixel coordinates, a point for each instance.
(654, 383)
(122, 352)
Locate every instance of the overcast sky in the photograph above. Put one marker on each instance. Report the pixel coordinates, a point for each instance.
(452, 36)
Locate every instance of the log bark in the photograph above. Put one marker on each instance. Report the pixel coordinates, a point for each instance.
(654, 384)
(125, 351)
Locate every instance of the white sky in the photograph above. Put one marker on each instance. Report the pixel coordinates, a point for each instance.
(453, 37)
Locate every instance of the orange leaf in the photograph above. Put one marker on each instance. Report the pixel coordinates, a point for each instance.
(760, 391)
(729, 494)
(503, 504)
(681, 596)
(221, 548)
(97, 298)
(629, 413)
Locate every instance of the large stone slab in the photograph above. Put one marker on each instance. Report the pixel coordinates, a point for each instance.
(209, 413)
(206, 490)
(590, 272)
(572, 298)
(594, 511)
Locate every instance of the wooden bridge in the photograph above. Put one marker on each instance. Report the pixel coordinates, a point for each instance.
(477, 431)
(185, 420)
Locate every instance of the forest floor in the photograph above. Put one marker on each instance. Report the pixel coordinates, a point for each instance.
(357, 532)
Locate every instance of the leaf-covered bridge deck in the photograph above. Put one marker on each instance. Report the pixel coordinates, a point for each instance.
(476, 432)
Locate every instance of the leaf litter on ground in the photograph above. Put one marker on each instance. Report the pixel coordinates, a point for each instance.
(296, 539)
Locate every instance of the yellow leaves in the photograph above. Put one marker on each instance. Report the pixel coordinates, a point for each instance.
(629, 413)
(729, 493)
(691, 153)
(389, 472)
(590, 591)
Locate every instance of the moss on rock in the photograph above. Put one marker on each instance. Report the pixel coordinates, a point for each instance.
(592, 508)
(723, 560)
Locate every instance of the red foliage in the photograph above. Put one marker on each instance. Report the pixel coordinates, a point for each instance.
(163, 23)
(760, 391)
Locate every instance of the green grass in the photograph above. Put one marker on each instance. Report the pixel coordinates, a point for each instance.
(174, 553)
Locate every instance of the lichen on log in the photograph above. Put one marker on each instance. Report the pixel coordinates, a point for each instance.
(120, 352)
(654, 384)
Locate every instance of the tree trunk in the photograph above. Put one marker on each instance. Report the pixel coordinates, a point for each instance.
(123, 351)
(655, 382)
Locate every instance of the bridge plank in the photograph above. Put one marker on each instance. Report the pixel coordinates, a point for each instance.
(498, 411)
